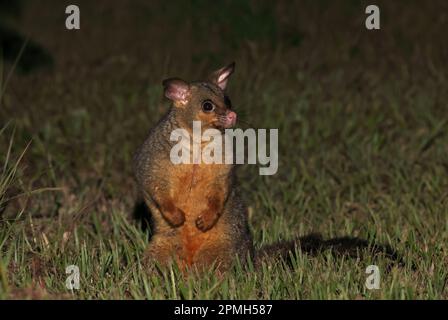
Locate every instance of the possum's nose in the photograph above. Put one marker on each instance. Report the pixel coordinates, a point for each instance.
(230, 119)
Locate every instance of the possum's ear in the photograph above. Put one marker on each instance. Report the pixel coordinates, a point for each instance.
(177, 90)
(221, 76)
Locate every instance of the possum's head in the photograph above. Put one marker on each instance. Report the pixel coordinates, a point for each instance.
(204, 101)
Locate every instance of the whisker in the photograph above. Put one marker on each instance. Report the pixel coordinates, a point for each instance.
(239, 120)
(245, 122)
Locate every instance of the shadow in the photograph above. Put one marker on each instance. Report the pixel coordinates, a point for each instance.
(11, 8)
(314, 245)
(143, 216)
(15, 46)
(31, 56)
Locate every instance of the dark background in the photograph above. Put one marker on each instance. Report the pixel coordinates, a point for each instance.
(362, 116)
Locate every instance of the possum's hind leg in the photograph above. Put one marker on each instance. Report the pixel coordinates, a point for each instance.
(161, 251)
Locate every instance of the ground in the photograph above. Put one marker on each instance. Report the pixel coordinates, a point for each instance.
(362, 119)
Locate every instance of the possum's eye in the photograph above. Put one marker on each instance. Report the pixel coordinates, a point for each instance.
(208, 106)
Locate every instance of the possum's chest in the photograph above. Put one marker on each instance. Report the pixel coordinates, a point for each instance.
(192, 184)
(191, 187)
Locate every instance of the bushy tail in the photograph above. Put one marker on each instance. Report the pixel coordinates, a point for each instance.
(314, 244)
(284, 250)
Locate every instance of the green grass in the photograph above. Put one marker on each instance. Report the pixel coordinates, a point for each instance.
(363, 149)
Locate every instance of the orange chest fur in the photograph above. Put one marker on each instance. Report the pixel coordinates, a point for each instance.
(190, 188)
(192, 184)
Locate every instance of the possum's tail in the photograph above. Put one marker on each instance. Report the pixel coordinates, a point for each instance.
(314, 244)
(284, 250)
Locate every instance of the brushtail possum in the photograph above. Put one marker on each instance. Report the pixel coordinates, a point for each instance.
(199, 218)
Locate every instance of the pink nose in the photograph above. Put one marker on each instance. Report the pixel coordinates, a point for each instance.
(231, 119)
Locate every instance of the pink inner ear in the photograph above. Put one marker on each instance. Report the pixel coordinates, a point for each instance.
(176, 90)
(222, 75)
(222, 80)
(175, 93)
(222, 84)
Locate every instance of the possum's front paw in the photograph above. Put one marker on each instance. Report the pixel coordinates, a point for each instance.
(175, 217)
(206, 221)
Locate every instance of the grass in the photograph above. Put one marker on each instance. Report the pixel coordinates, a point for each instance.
(362, 147)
